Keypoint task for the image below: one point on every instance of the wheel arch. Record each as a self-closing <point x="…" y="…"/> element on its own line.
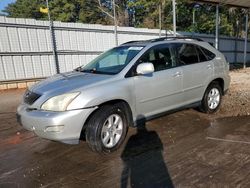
<point x="127" y="108"/>
<point x="221" y="83"/>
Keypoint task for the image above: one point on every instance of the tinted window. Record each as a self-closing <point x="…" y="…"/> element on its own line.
<point x="186" y="54"/>
<point x="160" y="56"/>
<point x="210" y="55"/>
<point x="201" y="55"/>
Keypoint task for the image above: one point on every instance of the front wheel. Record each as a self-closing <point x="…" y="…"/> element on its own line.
<point x="212" y="98"/>
<point x="107" y="128"/>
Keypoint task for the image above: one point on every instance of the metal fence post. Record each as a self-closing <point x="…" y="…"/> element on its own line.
<point x="245" y="46"/>
<point x="217" y="27"/>
<point x="115" y="24"/>
<point x="53" y="40"/>
<point x="160" y="17"/>
<point x="174" y="17"/>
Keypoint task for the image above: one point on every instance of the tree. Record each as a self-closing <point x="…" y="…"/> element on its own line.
<point x="236" y="16"/>
<point x="90" y="13"/>
<point x="61" y="10"/>
<point x="146" y="12"/>
<point x="137" y="13"/>
<point x="25" y="9"/>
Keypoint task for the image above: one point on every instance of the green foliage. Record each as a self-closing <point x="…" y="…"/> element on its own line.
<point x="25" y="9"/>
<point x="146" y="13"/>
<point x="61" y="10"/>
<point x="137" y="13"/>
<point x="89" y="13"/>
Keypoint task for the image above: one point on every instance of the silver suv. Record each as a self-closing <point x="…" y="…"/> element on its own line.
<point x="135" y="81"/>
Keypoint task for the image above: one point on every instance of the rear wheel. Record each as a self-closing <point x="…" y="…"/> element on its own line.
<point x="107" y="128"/>
<point x="212" y="98"/>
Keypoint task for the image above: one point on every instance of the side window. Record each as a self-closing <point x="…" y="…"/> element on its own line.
<point x="186" y="54"/>
<point x="210" y="55"/>
<point x="160" y="56"/>
<point x="202" y="56"/>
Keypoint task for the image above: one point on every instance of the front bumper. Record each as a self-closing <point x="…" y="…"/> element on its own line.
<point x="59" y="126"/>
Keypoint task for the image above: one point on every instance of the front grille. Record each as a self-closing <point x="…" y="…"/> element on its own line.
<point x="30" y="97"/>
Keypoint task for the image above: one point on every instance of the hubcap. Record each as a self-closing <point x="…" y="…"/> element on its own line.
<point x="213" y="98"/>
<point x="112" y="130"/>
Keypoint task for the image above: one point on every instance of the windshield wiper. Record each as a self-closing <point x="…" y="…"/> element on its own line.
<point x="94" y="71"/>
<point x="90" y="70"/>
<point x="78" y="69"/>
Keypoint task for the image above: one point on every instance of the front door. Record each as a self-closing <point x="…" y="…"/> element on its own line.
<point x="162" y="90"/>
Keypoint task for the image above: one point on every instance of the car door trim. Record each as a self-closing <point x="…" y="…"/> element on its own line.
<point x="162" y="96"/>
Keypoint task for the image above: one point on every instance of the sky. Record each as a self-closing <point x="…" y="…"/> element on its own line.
<point x="4" y="3"/>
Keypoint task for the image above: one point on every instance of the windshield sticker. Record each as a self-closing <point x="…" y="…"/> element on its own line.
<point x="135" y="48"/>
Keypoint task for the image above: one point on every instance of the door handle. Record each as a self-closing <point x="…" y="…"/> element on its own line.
<point x="209" y="67"/>
<point x="177" y="74"/>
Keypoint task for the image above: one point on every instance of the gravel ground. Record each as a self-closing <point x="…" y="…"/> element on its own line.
<point x="237" y="101"/>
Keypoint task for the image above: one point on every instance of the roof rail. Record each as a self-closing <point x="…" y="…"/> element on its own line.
<point x="175" y="38"/>
<point x="165" y="38"/>
<point x="132" y="41"/>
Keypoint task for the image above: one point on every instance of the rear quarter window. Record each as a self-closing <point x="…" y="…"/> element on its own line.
<point x="186" y="53"/>
<point x="210" y="55"/>
<point x="201" y="54"/>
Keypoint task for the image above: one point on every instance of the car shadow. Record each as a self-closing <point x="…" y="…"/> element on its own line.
<point x="143" y="161"/>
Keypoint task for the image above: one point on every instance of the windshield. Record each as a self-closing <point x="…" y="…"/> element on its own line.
<point x="112" y="61"/>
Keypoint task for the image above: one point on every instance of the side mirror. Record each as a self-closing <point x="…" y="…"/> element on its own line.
<point x="145" y="68"/>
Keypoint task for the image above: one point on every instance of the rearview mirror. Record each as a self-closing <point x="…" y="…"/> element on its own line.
<point x="145" y="68"/>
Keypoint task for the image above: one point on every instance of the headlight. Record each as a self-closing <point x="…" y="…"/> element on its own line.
<point x="60" y="102"/>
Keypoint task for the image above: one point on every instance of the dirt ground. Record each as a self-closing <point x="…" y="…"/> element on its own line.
<point x="237" y="101"/>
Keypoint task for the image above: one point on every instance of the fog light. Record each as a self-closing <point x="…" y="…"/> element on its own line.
<point x="57" y="128"/>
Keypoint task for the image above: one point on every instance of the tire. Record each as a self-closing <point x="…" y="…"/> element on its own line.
<point x="107" y="128"/>
<point x="212" y="98"/>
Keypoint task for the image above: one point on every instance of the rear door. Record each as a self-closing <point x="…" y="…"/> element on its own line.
<point x="197" y="70"/>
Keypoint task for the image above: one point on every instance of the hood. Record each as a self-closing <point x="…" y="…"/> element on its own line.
<point x="66" y="82"/>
